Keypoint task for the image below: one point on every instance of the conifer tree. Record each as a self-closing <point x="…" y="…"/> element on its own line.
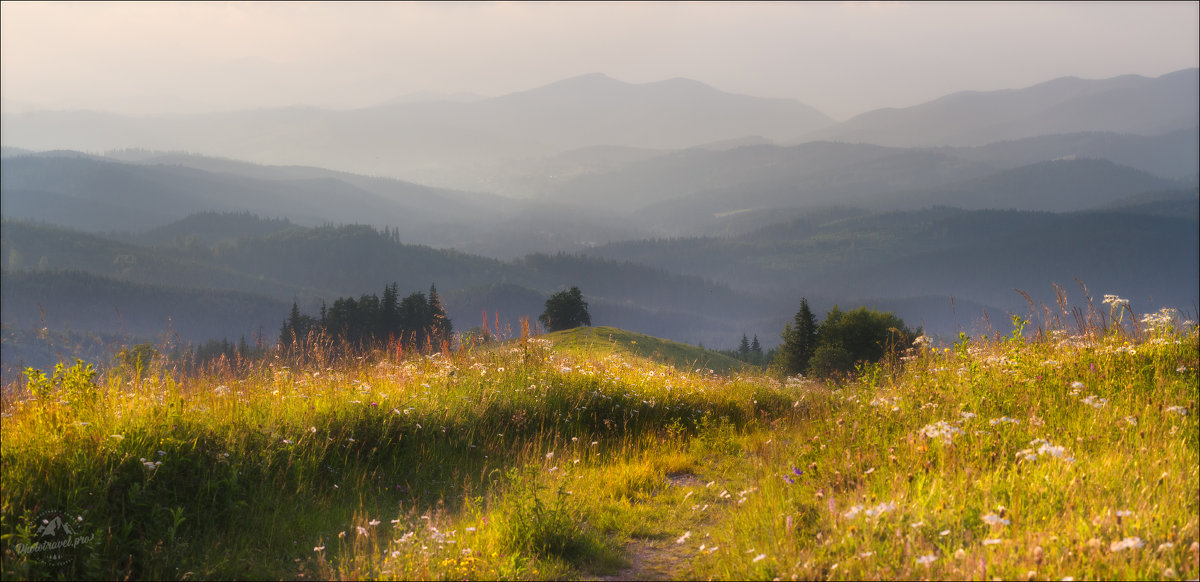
<point x="799" y="341"/>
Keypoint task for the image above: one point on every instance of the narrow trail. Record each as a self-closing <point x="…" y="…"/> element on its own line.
<point x="668" y="557"/>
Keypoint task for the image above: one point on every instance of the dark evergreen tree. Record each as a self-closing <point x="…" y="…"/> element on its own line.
<point x="296" y="328"/>
<point x="744" y="349"/>
<point x="441" y="328"/>
<point x="799" y="341"/>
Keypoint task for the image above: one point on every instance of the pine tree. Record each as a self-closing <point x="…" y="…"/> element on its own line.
<point x="744" y="349"/>
<point x="441" y="325"/>
<point x="799" y="341"/>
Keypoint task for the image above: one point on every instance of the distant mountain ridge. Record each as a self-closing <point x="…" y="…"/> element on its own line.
<point x="439" y="138"/>
<point x="1125" y="104"/>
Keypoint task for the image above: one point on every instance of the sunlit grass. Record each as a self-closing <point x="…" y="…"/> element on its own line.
<point x="1058" y="457"/>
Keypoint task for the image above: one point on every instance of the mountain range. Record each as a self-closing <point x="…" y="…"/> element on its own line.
<point x="680" y="210"/>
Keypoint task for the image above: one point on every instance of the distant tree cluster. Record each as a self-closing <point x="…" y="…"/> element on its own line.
<point x="416" y="320"/>
<point x="843" y="340"/>
<point x="565" y="310"/>
<point x="749" y="351"/>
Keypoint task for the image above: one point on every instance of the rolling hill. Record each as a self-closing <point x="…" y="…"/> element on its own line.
<point x="1125" y="104"/>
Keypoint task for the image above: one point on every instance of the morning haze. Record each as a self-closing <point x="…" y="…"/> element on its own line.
<point x="694" y="168"/>
<point x="842" y="58"/>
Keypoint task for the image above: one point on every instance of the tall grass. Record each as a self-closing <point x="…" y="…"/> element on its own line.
<point x="1047" y="454"/>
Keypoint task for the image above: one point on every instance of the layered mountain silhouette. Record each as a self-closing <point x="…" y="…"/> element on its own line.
<point x="680" y="210"/>
<point x="1127" y="104"/>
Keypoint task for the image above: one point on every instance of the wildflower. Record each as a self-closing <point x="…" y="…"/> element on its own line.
<point x="927" y="559"/>
<point x="1115" y="301"/>
<point x="788" y="480"/>
<point x="944" y="533"/>
<point x="1178" y="410"/>
<point x="319" y="549"/>
<point x="1003" y="419"/>
<point x="373" y="522"/>
<point x="880" y="509"/>
<point x="684" y="537"/>
<point x="162" y="453"/>
<point x="992" y="541"/>
<point x="1126" y="544"/>
<point x="993" y="519"/>
<point x="797" y="471"/>
<point x="940" y="429"/>
<point x="757" y="558"/>
<point x="362" y="531"/>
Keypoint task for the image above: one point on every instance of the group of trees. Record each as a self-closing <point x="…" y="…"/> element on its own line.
<point x="565" y="310"/>
<point x="749" y="351"/>
<point x="416" y="320"/>
<point x="843" y="340"/>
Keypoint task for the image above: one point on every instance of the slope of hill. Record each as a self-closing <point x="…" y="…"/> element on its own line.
<point x="974" y="255"/>
<point x="1174" y="155"/>
<point x="310" y="265"/>
<point x="600" y="341"/>
<point x="1055" y="186"/>
<point x="100" y="195"/>
<point x="1126" y="104"/>
<point x="83" y="302"/>
<point x="699" y="182"/>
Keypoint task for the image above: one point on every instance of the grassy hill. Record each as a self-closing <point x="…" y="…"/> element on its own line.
<point x="1072" y="452"/>
<point x="600" y="341"/>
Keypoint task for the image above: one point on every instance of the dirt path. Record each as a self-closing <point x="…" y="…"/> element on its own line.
<point x="667" y="558"/>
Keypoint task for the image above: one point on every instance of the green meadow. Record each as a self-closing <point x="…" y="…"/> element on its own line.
<point x="599" y="454"/>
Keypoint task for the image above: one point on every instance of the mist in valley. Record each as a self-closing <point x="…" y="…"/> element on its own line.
<point x="695" y="169"/>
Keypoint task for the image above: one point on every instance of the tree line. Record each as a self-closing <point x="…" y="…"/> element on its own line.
<point x="840" y="342"/>
<point x="416" y="320"/>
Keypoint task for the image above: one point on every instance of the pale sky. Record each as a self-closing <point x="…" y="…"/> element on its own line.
<point x="842" y="58"/>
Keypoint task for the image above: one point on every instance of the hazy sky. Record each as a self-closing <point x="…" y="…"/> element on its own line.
<point x="842" y="58"/>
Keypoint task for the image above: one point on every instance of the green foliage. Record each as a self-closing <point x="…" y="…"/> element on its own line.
<point x="74" y="384"/>
<point x="830" y="359"/>
<point x="553" y="527"/>
<point x="136" y="360"/>
<point x="565" y="310"/>
<point x="842" y="340"/>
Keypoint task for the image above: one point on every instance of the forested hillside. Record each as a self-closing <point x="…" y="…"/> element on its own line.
<point x="697" y="234"/>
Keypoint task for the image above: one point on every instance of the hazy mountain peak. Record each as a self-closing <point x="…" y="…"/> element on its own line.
<point x="1124" y="104"/>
